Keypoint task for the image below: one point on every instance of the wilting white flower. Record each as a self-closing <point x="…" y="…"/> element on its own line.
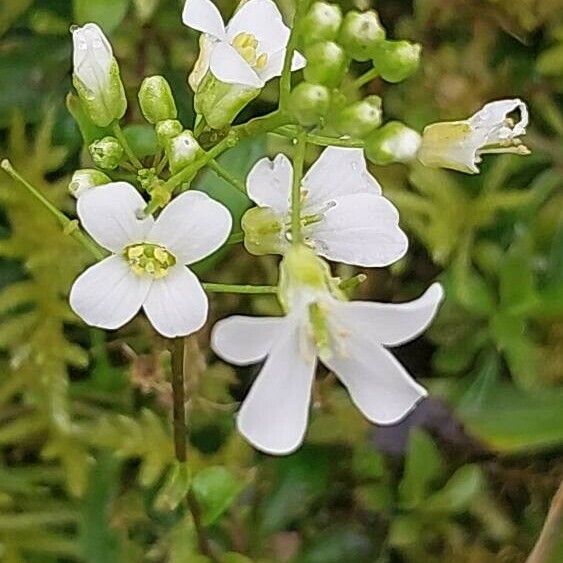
<point x="344" y="216"/>
<point x="249" y="50"/>
<point x="460" y="144"/>
<point x="147" y="266"/>
<point x="349" y="338"/>
<point x="96" y="75"/>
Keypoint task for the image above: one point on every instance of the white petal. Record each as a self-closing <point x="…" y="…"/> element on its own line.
<point x="378" y="384"/>
<point x="228" y="66"/>
<point x="109" y="215"/>
<point x="204" y="16"/>
<point x="390" y="323"/>
<point x="176" y="304"/>
<point x="262" y="19"/>
<point x="109" y="294"/>
<point x="493" y="115"/>
<point x="245" y="340"/>
<point x="269" y="183"/>
<point x="274" y="66"/>
<point x="192" y="226"/>
<point x="337" y="172"/>
<point x="360" y="229"/>
<point x="92" y="57"/>
<point x="274" y="415"/>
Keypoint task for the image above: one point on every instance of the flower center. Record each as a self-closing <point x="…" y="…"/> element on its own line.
<point x="246" y="46"/>
<point x="147" y="258"/>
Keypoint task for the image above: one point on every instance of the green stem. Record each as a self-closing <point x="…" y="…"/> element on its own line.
<point x="289" y="131"/>
<point x="120" y="136"/>
<point x="235" y="288"/>
<point x="69" y="226"/>
<point x="226" y="175"/>
<point x="298" y="162"/>
<point x="235" y="238"/>
<point x="199" y="126"/>
<point x="366" y="77"/>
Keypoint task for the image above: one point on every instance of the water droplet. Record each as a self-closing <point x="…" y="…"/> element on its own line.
<point x="354" y="165"/>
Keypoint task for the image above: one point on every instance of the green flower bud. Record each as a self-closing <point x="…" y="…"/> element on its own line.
<point x="167" y="129"/>
<point x="219" y="103"/>
<point x="326" y="63"/>
<point x="85" y="179"/>
<point x="394" y="142"/>
<point x="262" y="231"/>
<point x="321" y="23"/>
<point x="156" y="100"/>
<point x="396" y="60"/>
<point x="360" y="33"/>
<point x="182" y="150"/>
<point x="360" y="118"/>
<point x="106" y="153"/>
<point x="96" y="76"/>
<point x="309" y="103"/>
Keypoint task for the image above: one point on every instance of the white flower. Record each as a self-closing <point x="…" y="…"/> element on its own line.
<point x="249" y="50"/>
<point x="147" y="265"/>
<point x="344" y="216"/>
<point x="460" y="144"/>
<point x="350" y="339"/>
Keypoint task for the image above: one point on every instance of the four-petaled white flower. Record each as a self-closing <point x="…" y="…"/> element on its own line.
<point x="459" y="144"/>
<point x="249" y="50"/>
<point x="344" y="216"/>
<point x="350" y="338"/>
<point x="147" y="267"/>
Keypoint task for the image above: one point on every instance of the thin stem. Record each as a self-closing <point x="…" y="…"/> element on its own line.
<point x="236" y="288"/>
<point x="321" y="140"/>
<point x="226" y="175"/>
<point x="69" y="226"/>
<point x="366" y="77"/>
<point x="120" y="136"/>
<point x="199" y="126"/>
<point x="180" y="439"/>
<point x="298" y="162"/>
<point x="235" y="238"/>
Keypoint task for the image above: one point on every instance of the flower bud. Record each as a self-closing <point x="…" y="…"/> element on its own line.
<point x="96" y="75"/>
<point x="182" y="150"/>
<point x="106" y="153"/>
<point x="309" y="103"/>
<point x="85" y="179"/>
<point x="360" y="33"/>
<point x="219" y="103"/>
<point x="360" y="118"/>
<point x="156" y="100"/>
<point x="321" y="23"/>
<point x="167" y="129"/>
<point x="262" y="231"/>
<point x="394" y="142"/>
<point x="396" y="60"/>
<point x="326" y="63"/>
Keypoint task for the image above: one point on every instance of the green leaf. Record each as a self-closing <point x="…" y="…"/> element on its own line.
<point x="472" y="291"/>
<point x="423" y="465"/>
<point x="458" y="493"/>
<point x="175" y="487"/>
<point x="337" y="545"/>
<point x="405" y="530"/>
<point x="484" y="384"/>
<point x="108" y="14"/>
<point x="216" y="488"/>
<point x="142" y="139"/>
<point x="550" y="62"/>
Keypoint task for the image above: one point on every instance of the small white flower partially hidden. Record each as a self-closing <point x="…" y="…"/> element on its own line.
<point x="96" y="75"/>
<point x="344" y="217"/>
<point x="249" y="50"/>
<point x="147" y="267"/>
<point x="350" y="339"/>
<point x="459" y="144"/>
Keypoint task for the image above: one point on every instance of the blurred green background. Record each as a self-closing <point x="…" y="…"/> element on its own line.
<point x="85" y="440"/>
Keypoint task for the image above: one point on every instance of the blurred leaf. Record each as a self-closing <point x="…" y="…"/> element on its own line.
<point x="175" y="487"/>
<point x="108" y="14"/>
<point x="458" y="493"/>
<point x="550" y="62"/>
<point x="10" y="11"/>
<point x="406" y="530"/>
<point x="483" y="383"/>
<point x="337" y="545"/>
<point x="216" y="488"/>
<point x="142" y="139"/>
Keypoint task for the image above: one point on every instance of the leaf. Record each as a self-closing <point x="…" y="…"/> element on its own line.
<point x="472" y="291"/>
<point x="550" y="62"/>
<point x="108" y="14"/>
<point x="484" y="384"/>
<point x="423" y="464"/>
<point x="458" y="493"/>
<point x="142" y="139"/>
<point x="406" y="530"/>
<point x="216" y="488"/>
<point x="175" y="487"/>
<point x="336" y="545"/>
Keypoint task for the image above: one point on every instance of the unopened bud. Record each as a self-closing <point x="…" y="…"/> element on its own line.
<point x="396" y="60"/>
<point x="106" y="153"/>
<point x="167" y="129"/>
<point x="182" y="150"/>
<point x="326" y="63"/>
<point x="321" y="23"/>
<point x="156" y="100"/>
<point x="309" y="103"/>
<point x="394" y="142"/>
<point x="85" y="179"/>
<point x="360" y="118"/>
<point x="360" y="33"/>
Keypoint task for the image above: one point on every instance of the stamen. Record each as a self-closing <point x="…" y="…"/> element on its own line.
<point x="151" y="259"/>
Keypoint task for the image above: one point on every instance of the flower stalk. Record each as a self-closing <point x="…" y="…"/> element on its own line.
<point x="120" y="136"/>
<point x="298" y="163"/>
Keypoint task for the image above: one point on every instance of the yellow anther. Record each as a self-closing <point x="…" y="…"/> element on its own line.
<point x="261" y="61"/>
<point x="246" y="45"/>
<point x="151" y="259"/>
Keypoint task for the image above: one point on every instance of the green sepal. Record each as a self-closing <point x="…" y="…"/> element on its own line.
<point x="262" y="231"/>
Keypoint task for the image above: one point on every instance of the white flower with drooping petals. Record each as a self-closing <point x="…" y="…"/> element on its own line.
<point x="459" y="144"/>
<point x="349" y="338"/>
<point x="344" y="216"/>
<point x="249" y="50"/>
<point x="147" y="267"/>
